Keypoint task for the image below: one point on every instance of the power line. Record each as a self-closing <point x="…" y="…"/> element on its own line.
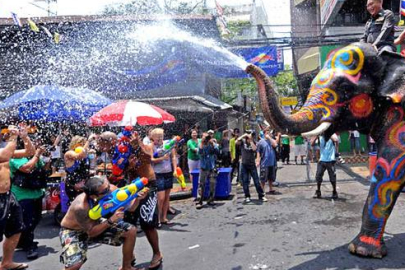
<point x="44" y="9"/>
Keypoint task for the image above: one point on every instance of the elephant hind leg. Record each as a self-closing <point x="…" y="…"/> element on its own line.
<point x="367" y="246"/>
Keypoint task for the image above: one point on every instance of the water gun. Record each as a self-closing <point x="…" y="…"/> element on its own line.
<point x="118" y="198"/>
<point x="121" y="154"/>
<point x="167" y="147"/>
<point x="180" y="177"/>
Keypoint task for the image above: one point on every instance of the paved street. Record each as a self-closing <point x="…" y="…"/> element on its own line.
<point x="290" y="231"/>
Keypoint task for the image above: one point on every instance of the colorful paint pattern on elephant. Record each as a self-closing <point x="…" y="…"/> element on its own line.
<point x="388" y="175"/>
<point x="323" y="98"/>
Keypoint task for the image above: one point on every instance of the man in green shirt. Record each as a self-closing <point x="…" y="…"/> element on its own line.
<point x="299" y="148"/>
<point x="193" y="155"/>
<point x="29" y="196"/>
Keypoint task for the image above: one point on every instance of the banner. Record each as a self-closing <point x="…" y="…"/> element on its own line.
<point x="263" y="57"/>
<point x="32" y="25"/>
<point x="16" y="20"/>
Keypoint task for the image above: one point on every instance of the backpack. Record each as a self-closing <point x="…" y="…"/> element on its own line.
<point x="34" y="180"/>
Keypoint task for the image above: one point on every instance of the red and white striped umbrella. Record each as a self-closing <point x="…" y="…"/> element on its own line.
<point x="130" y="113"/>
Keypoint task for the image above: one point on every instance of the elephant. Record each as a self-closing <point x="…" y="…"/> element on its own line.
<point x="357" y="89"/>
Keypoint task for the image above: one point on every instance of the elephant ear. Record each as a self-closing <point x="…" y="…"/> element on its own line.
<point x="392" y="84"/>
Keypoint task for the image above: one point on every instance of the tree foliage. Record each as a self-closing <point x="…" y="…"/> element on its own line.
<point x="236" y="29"/>
<point x="285" y="85"/>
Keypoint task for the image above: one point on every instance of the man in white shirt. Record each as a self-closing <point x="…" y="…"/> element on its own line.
<point x="354" y="137"/>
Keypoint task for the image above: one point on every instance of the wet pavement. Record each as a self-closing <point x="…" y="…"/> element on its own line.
<point x="290" y="231"/>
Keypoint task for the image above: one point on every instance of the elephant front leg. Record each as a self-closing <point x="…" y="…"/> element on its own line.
<point x="380" y="202"/>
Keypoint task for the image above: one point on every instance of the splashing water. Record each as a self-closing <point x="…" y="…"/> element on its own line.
<point x="167" y="31"/>
<point x="118" y="58"/>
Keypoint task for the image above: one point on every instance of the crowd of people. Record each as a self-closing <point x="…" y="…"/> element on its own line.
<point x="26" y="162"/>
<point x="28" y="159"/>
<point x="88" y="164"/>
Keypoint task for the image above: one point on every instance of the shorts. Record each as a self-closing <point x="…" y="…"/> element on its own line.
<point x="193" y="165"/>
<point x="267" y="173"/>
<point x="299" y="150"/>
<point x="11" y="219"/>
<point x="355" y="143"/>
<point x="146" y="213"/>
<point x="164" y="181"/>
<point x="75" y="243"/>
<point x="56" y="162"/>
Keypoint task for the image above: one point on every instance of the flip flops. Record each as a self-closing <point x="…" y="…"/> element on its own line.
<point x="19" y="267"/>
<point x="156" y="267"/>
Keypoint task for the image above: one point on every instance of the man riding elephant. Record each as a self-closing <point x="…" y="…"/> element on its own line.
<point x="357" y="89"/>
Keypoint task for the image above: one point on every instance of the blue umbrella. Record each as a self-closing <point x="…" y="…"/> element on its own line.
<point x="55" y="103"/>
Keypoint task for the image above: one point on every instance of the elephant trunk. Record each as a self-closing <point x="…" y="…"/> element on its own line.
<point x="304" y="121"/>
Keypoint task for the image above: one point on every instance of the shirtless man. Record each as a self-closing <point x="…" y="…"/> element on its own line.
<point x="106" y="143"/>
<point x="140" y="165"/>
<point x="11" y="221"/>
<point x="77" y="227"/>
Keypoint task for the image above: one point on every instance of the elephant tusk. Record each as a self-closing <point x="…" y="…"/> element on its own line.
<point x="319" y="130"/>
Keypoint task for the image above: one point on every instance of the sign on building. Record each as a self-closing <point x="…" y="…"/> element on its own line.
<point x="329" y="8"/>
<point x="280" y="59"/>
<point x="288" y="101"/>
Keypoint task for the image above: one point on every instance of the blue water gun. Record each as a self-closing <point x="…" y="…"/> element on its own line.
<point x="121" y="154"/>
<point x="118" y="198"/>
<point x="167" y="147"/>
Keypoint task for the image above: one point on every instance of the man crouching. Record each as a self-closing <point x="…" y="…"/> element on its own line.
<point x="77" y="229"/>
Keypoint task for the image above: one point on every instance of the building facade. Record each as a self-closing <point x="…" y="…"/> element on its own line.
<point x="319" y="26"/>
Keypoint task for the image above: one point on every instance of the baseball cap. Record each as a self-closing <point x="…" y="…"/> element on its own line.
<point x="210" y="131"/>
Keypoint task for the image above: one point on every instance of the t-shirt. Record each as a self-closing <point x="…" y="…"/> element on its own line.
<point x="208" y="156"/>
<point x="354" y="134"/>
<point x="164" y="166"/>
<point x="218" y="136"/>
<point x="299" y="140"/>
<point x="56" y="153"/>
<point x="225" y="145"/>
<point x="146" y="140"/>
<point x="19" y="192"/>
<point x="191" y="149"/>
<point x="266" y="151"/>
<point x="285" y="139"/>
<point x="327" y="150"/>
<point x="248" y="154"/>
<point x="232" y="147"/>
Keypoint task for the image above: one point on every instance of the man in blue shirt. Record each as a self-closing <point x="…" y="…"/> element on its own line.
<point x="208" y="151"/>
<point x="266" y="159"/>
<point x="326" y="162"/>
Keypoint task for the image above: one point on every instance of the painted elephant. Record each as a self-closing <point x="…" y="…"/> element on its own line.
<point x="356" y="90"/>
